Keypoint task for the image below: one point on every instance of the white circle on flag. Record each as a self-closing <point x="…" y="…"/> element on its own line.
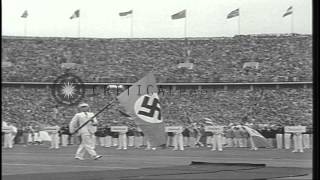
<point x="148" y="108"/>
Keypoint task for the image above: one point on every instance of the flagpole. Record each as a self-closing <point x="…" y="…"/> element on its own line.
<point x="131" y="26"/>
<point x="25" y="27"/>
<point x="239" y="23"/>
<point x="292" y="21"/>
<point x="185" y="26"/>
<point x="79" y="27"/>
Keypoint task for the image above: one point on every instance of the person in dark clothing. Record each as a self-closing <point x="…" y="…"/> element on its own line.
<point x="186" y="136"/>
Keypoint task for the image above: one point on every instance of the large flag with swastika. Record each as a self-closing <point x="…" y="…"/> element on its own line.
<point x="141" y="102"/>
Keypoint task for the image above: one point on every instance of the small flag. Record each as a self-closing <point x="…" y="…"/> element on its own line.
<point x="141" y="102"/>
<point x="257" y="138"/>
<point x="233" y="13"/>
<point x="24" y="14"/>
<point x="125" y="13"/>
<point x="76" y="14"/>
<point x="288" y="12"/>
<point x="179" y="15"/>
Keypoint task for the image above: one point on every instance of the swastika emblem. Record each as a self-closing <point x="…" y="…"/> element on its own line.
<point x="148" y="108"/>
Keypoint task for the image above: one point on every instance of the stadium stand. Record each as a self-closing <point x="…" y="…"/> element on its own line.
<point x="279" y="57"/>
<point x="276" y="106"/>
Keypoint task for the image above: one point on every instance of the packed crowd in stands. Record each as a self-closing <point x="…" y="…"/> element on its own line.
<point x="285" y="106"/>
<point x="280" y="58"/>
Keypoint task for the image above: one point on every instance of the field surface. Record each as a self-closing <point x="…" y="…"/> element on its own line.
<point x="41" y="163"/>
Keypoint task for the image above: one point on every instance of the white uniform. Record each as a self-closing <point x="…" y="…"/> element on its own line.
<point x="297" y="142"/>
<point x="9" y="136"/>
<point x="55" y="137"/>
<point x="217" y="141"/>
<point x="86" y="133"/>
<point x="178" y="141"/>
<point x="122" y="140"/>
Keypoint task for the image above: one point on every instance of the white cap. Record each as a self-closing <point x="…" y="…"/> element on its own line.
<point x="83" y="105"/>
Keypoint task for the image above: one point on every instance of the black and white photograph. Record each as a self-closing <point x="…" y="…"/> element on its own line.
<point x="157" y="89"/>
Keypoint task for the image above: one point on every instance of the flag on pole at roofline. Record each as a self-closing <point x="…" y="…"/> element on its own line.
<point x="233" y="13"/>
<point x="179" y="15"/>
<point x="76" y="14"/>
<point x="25" y="14"/>
<point x="141" y="102"/>
<point x="288" y="12"/>
<point x="126" y="13"/>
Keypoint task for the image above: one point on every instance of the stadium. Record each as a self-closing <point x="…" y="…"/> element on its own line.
<point x="263" y="81"/>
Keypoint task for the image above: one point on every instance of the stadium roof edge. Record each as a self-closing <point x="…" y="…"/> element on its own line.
<point x="90" y="83"/>
<point x="190" y="38"/>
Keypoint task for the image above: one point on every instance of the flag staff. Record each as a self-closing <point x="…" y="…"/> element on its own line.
<point x="25" y="27"/>
<point x="292" y="21"/>
<point x="108" y="106"/>
<point x="185" y="26"/>
<point x="239" y="23"/>
<point x="79" y="27"/>
<point x="131" y="26"/>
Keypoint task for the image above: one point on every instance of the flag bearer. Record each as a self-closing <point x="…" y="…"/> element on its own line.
<point x="86" y="132"/>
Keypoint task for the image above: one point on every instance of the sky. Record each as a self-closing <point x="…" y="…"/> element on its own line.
<point x="152" y="18"/>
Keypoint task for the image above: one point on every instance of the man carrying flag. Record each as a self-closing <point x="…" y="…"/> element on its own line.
<point x="142" y="103"/>
<point x="86" y="132"/>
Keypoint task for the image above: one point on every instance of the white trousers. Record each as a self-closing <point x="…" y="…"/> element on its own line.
<point x="306" y="141"/>
<point x="130" y="141"/>
<point x="229" y="142"/>
<point x="138" y="141"/>
<point x="297" y="143"/>
<point x="178" y="142"/>
<point x="237" y="142"/>
<point x="185" y="141"/>
<point x="192" y="142"/>
<point x="108" y="141"/>
<point x="64" y="139"/>
<point x="216" y="142"/>
<point x="8" y="140"/>
<point x="279" y="141"/>
<point x="102" y="141"/>
<point x="115" y="141"/>
<point x="209" y="140"/>
<point x="87" y="144"/>
<point x="54" y="140"/>
<point x="122" y="141"/>
<point x="287" y="141"/>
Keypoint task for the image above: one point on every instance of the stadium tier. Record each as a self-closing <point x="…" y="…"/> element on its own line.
<point x="245" y="58"/>
<point x="283" y="106"/>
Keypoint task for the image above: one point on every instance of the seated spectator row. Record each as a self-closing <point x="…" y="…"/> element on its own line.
<point x="285" y="106"/>
<point x="280" y="58"/>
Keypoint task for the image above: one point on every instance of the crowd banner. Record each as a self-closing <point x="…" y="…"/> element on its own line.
<point x="53" y="129"/>
<point x="176" y="129"/>
<point x="295" y="129"/>
<point x="215" y="129"/>
<point x="119" y="128"/>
